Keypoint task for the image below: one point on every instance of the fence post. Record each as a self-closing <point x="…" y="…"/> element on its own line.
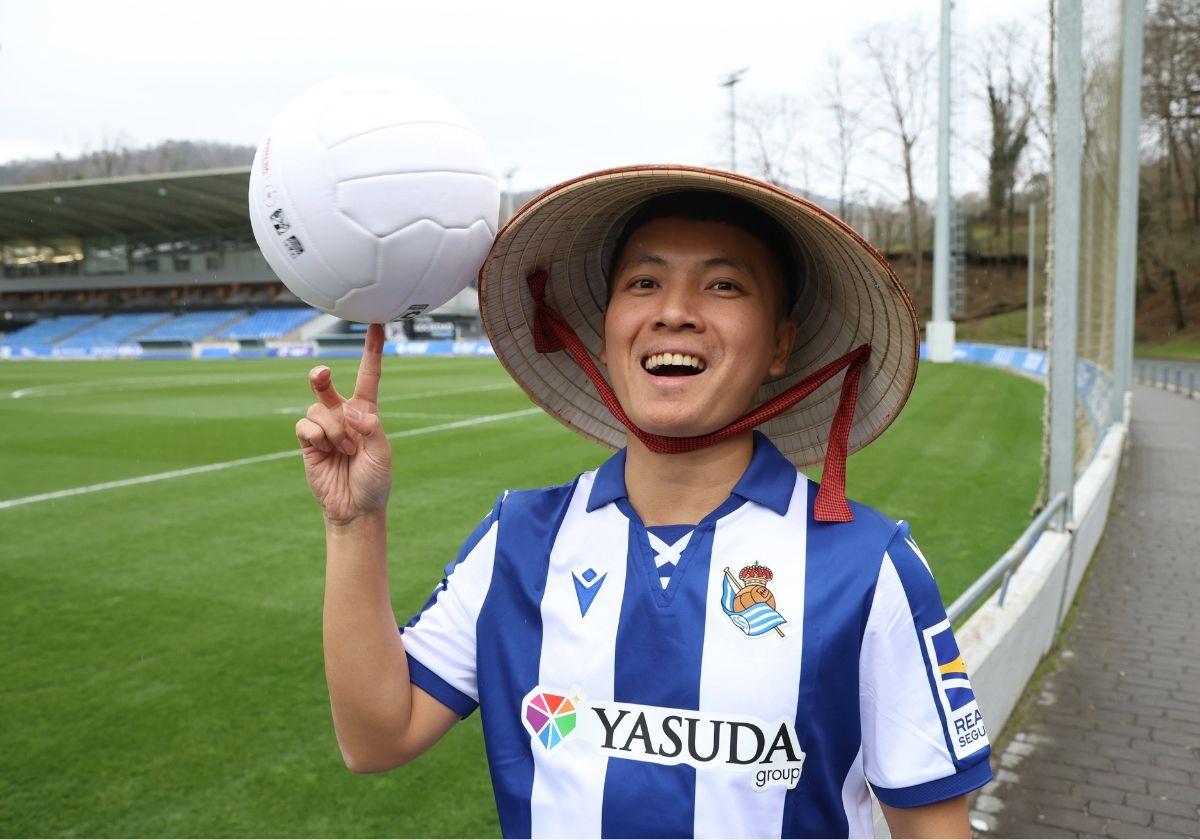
<point x="1127" y="199"/>
<point x="1068" y="119"/>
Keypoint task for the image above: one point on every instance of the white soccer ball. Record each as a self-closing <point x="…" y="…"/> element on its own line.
<point x="373" y="198"/>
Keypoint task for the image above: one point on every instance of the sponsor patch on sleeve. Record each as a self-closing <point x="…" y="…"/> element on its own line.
<point x="968" y="734"/>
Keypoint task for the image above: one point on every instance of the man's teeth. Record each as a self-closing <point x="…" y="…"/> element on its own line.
<point x="676" y="359"/>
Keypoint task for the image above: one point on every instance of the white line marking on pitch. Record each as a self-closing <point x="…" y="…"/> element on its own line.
<point x="254" y="459"/>
<point x="415" y="395"/>
<point x="426" y="415"/>
<point x="99" y="386"/>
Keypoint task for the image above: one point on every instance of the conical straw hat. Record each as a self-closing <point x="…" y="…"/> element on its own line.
<point x="848" y="296"/>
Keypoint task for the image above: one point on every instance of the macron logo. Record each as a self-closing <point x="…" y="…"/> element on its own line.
<point x="587" y="585"/>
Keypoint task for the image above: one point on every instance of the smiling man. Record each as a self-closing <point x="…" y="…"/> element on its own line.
<point x="693" y="639"/>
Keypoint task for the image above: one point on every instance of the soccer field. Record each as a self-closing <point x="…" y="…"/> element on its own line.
<point x="162" y="638"/>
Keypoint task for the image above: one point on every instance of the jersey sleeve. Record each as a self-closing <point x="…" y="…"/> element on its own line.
<point x="440" y="639"/>
<point x="923" y="736"/>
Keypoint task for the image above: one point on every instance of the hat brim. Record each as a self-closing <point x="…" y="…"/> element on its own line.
<point x="849" y="296"/>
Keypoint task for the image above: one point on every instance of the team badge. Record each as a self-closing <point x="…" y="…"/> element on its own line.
<point x="750" y="605"/>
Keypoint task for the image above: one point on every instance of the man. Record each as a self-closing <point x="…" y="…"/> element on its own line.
<point x="694" y="639"/>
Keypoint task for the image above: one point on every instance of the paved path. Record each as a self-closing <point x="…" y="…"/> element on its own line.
<point x="1111" y="747"/>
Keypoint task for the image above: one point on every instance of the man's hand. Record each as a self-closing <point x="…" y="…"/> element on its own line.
<point x="347" y="459"/>
<point x="380" y="718"/>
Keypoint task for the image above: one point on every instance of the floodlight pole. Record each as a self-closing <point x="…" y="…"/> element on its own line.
<point x="1030" y="264"/>
<point x="731" y="82"/>
<point x="1068" y="146"/>
<point x="939" y="333"/>
<point x="1127" y="201"/>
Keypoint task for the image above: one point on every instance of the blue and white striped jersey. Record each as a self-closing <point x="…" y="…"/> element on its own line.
<point x="784" y="666"/>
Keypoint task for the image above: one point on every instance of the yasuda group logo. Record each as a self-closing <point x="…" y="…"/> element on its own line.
<point x="549" y="718"/>
<point x="769" y="754"/>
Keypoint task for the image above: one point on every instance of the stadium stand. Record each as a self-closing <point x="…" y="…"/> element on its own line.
<point x="269" y="323"/>
<point x="175" y="243"/>
<point x="50" y="330"/>
<point x="116" y="328"/>
<point x="192" y="326"/>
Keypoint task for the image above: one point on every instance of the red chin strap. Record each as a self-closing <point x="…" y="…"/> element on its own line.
<point x="552" y="333"/>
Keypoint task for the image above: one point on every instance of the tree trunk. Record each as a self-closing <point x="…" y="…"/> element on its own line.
<point x="914" y="226"/>
<point x="1008" y="263"/>
<point x="1176" y="298"/>
<point x="1190" y="141"/>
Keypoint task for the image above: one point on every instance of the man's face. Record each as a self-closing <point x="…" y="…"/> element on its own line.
<point x="704" y="290"/>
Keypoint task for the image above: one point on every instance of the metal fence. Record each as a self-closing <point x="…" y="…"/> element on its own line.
<point x="1002" y="570"/>
<point x="1180" y="377"/>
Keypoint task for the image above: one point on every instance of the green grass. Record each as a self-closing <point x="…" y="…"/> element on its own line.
<point x="163" y="671"/>
<point x="1180" y="347"/>
<point x="1008" y="328"/>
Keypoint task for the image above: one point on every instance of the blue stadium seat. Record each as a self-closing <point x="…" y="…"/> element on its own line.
<point x="270" y="323"/>
<point x="50" y="330"/>
<point x="114" y="329"/>
<point x="192" y="326"/>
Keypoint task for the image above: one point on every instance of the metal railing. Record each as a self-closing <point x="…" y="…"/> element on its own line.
<point x="1008" y="563"/>
<point x="1182" y="378"/>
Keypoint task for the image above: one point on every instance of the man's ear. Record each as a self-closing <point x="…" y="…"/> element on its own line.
<point x="785" y="337"/>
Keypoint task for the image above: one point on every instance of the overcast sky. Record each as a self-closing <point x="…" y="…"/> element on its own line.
<point x="556" y="88"/>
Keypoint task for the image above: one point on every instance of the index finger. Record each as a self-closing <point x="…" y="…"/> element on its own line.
<point x="366" y="387"/>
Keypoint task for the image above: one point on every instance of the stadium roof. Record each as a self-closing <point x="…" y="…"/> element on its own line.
<point x="167" y="203"/>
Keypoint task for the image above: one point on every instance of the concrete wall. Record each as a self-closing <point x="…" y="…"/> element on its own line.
<point x="1003" y="645"/>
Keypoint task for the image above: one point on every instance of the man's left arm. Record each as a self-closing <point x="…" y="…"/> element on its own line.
<point x="947" y="818"/>
<point x="924" y="742"/>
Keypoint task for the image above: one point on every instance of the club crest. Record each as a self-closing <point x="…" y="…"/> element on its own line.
<point x="749" y="602"/>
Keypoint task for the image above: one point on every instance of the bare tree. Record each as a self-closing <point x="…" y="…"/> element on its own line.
<point x="772" y="125"/>
<point x="902" y="57"/>
<point x="1171" y="85"/>
<point x="115" y="157"/>
<point x="1171" y="110"/>
<point x="884" y="221"/>
<point x="111" y="157"/>
<point x="1010" y="87"/>
<point x="838" y="97"/>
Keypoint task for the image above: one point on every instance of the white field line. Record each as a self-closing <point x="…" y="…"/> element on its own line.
<point x="415" y="395"/>
<point x="426" y="415"/>
<point x="99" y="386"/>
<point x="254" y="459"/>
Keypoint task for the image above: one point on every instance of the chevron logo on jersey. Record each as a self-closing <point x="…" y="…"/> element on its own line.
<point x="587" y="586"/>
<point x="964" y="720"/>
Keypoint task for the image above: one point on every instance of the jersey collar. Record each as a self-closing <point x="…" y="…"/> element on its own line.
<point x="769" y="479"/>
